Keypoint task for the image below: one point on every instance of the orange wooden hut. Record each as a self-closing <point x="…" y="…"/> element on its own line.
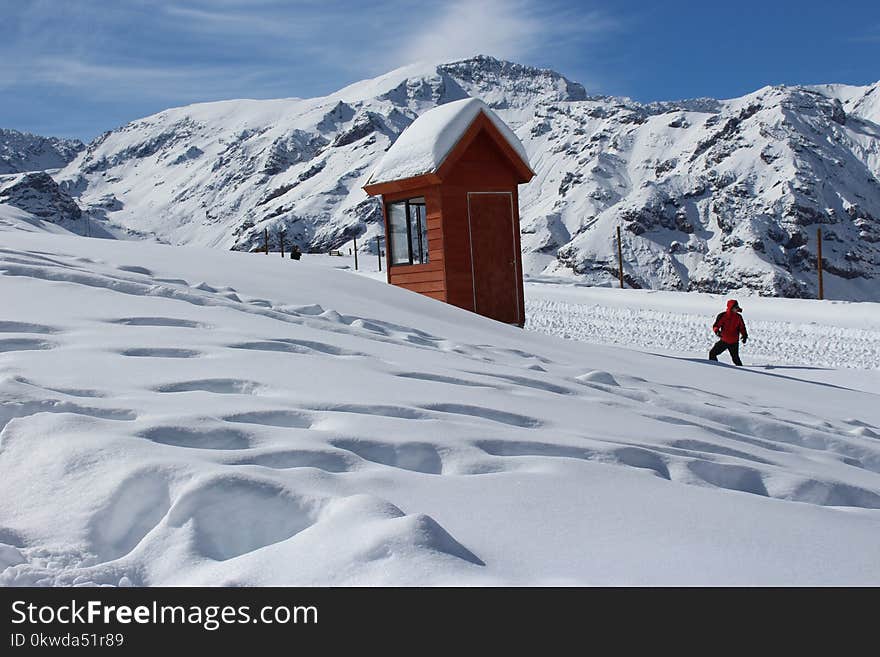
<point x="449" y="195"/>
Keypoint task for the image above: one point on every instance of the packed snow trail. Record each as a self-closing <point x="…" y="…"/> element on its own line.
<point x="189" y="416"/>
<point x="834" y="334"/>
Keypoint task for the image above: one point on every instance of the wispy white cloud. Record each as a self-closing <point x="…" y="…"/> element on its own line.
<point x="465" y="28"/>
<point x="235" y="20"/>
<point x="131" y="82"/>
<point x="508" y="29"/>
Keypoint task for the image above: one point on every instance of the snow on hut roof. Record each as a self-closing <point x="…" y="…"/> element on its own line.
<point x="424" y="145"/>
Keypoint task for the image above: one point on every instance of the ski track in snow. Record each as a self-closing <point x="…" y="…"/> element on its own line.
<point x="159" y="431"/>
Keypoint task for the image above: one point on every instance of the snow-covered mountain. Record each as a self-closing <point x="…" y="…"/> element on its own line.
<point x="39" y="195"/>
<point x="21" y="151"/>
<point x="713" y="195"/>
<point x="714" y="200"/>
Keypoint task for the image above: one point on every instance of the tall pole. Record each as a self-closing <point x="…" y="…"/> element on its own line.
<point x="379" y="251"/>
<point x="819" y="262"/>
<point x="355" y="253"/>
<point x="281" y="237"/>
<point x="266" y="240"/>
<point x="619" y="258"/>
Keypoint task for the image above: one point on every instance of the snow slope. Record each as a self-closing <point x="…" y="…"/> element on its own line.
<point x="15" y="219"/>
<point x="193" y="416"/>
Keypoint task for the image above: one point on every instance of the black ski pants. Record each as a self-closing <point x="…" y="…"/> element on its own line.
<point x="721" y="346"/>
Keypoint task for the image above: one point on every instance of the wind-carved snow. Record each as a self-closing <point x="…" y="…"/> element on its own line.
<point x="397" y="440"/>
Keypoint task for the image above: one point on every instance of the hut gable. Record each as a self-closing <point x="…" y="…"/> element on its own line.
<point x="479" y="156"/>
<point x="435" y="140"/>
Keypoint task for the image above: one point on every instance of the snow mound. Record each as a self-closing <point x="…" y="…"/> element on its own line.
<point x="598" y="376"/>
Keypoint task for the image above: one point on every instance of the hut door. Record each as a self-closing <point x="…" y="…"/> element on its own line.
<point x="493" y="244"/>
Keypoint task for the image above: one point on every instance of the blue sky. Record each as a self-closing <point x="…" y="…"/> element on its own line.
<point x="79" y="67"/>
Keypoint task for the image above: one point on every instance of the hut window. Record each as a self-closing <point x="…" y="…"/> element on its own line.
<point x="408" y="223"/>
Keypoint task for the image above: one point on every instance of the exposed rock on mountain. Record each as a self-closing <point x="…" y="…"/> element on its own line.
<point x="38" y="194"/>
<point x="20" y="151"/>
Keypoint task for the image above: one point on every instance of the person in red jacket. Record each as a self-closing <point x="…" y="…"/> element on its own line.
<point x="729" y="326"/>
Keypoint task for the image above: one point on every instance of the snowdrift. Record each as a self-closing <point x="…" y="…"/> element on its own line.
<point x="177" y="416"/>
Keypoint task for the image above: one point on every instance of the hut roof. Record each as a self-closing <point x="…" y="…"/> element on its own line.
<point x="425" y="144"/>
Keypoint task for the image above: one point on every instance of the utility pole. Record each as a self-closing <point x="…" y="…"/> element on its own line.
<point x="619" y="258"/>
<point x="355" y="253"/>
<point x="819" y="262"/>
<point x="281" y="238"/>
<point x="266" y="240"/>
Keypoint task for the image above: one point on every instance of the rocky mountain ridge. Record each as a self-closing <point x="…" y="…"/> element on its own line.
<point x="22" y="151"/>
<point x="712" y="195"/>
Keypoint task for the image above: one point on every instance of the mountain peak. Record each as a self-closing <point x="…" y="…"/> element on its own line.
<point x="499" y="83"/>
<point x="484" y="76"/>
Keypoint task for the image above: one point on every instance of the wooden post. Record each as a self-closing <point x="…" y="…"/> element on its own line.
<point x="619" y="258"/>
<point x="819" y="262"/>
<point x="266" y="240"/>
<point x="281" y="237"/>
<point x="379" y="251"/>
<point x="355" y="253"/>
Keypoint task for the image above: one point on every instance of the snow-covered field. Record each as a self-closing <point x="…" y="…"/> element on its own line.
<point x="783" y="332"/>
<point x="191" y="416"/>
